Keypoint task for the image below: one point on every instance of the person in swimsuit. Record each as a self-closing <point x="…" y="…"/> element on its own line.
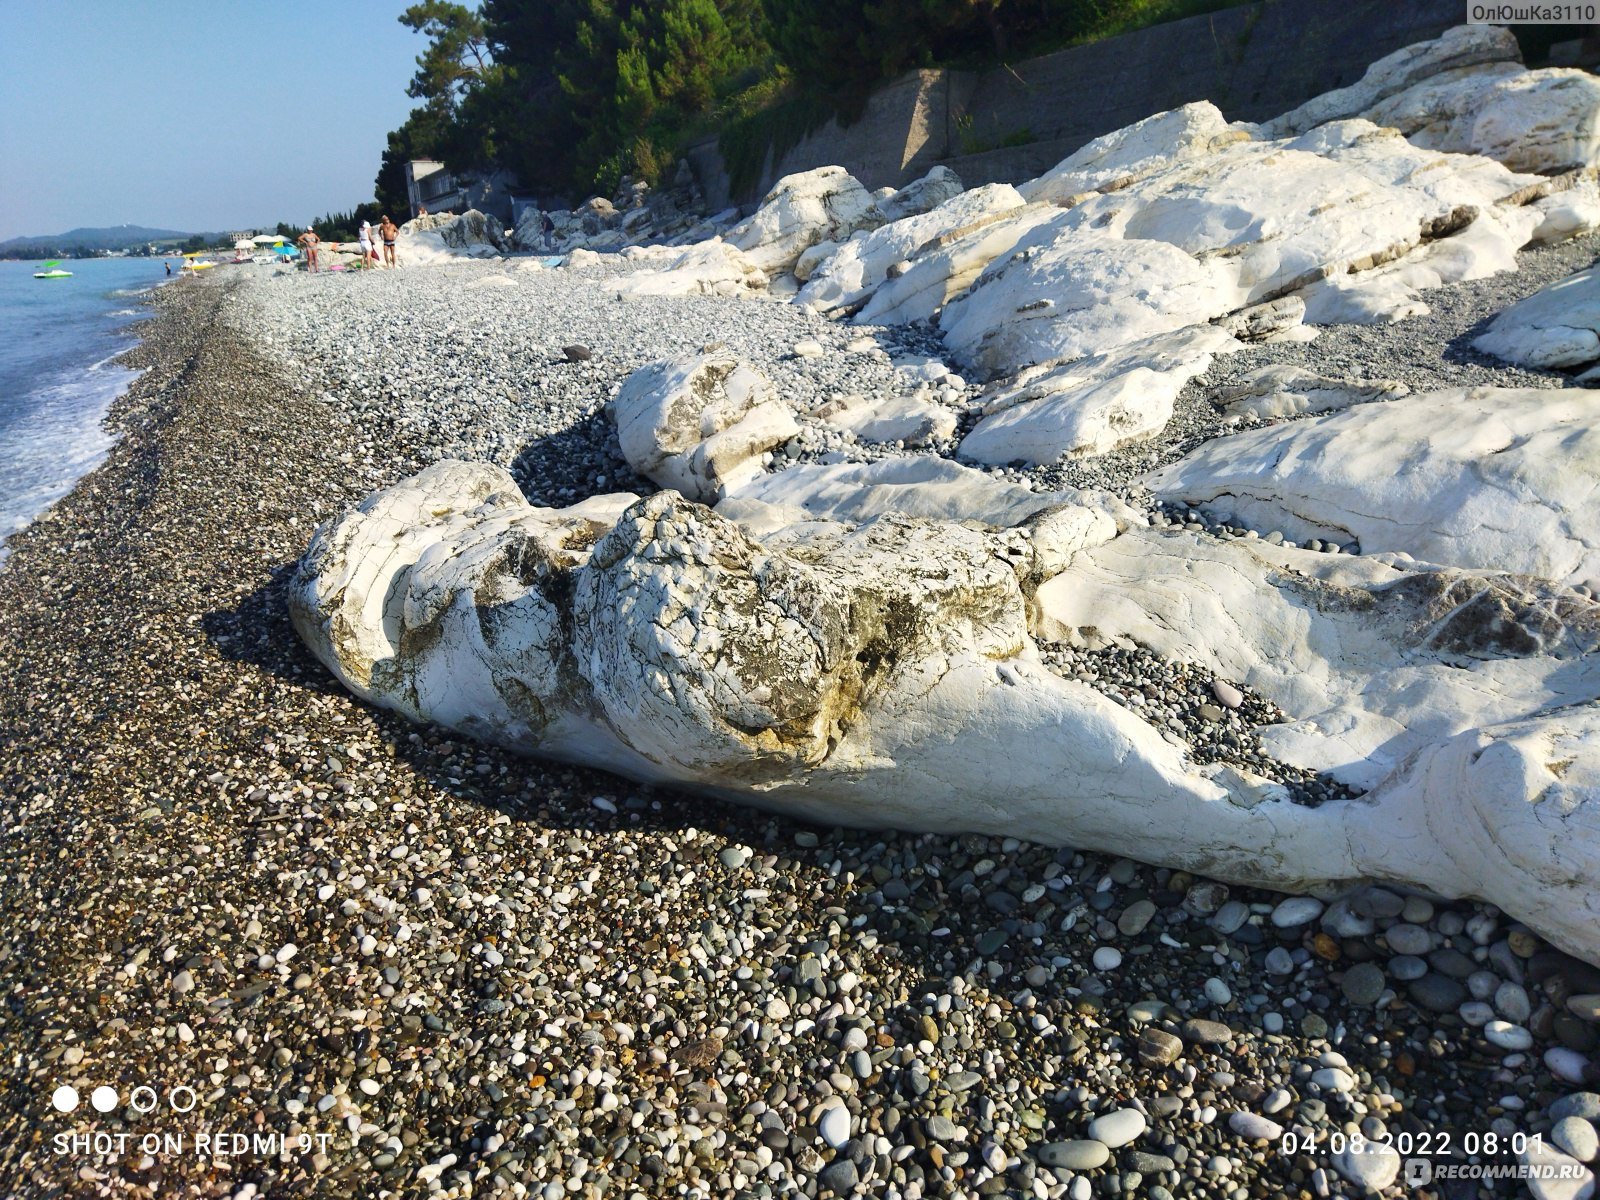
<point x="309" y="240"/>
<point x="369" y="251"/>
<point x="390" y="231"/>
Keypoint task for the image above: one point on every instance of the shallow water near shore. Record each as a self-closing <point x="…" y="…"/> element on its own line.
<point x="58" y="377"/>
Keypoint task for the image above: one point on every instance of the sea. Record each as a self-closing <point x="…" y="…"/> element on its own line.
<point x="57" y="380"/>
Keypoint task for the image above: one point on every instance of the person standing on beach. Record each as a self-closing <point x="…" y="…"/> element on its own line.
<point x="390" y="232"/>
<point x="309" y="240"/>
<point x="369" y="252"/>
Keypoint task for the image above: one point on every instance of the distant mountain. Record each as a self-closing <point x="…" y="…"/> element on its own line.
<point x="116" y="237"/>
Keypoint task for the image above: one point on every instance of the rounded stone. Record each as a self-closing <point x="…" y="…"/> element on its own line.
<point x="1372" y="1167"/>
<point x="834" y="1126"/>
<point x="1363" y="984"/>
<point x="1508" y="1036"/>
<point x="1081" y="1155"/>
<point x="1296" y="911"/>
<point x="1408" y="939"/>
<point x="1577" y="1137"/>
<point x="1255" y="1127"/>
<point x="1135" y="917"/>
<point x="1118" y="1128"/>
<point x="1437" y="993"/>
<point x="1107" y="958"/>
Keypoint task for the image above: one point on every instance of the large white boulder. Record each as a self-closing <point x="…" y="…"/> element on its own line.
<point x="1467" y="91"/>
<point x="1464" y="703"/>
<point x="1252" y="221"/>
<point x="938" y="186"/>
<point x="881" y="673"/>
<point x="711" y="268"/>
<point x="699" y="424"/>
<point x="824" y="205"/>
<point x="1452" y="53"/>
<point x="947" y="264"/>
<point x="443" y="237"/>
<point x="1557" y="326"/>
<point x="1092" y="405"/>
<point x="1135" y="151"/>
<point x="852" y="272"/>
<point x="1491" y="478"/>
<point x="1067" y="292"/>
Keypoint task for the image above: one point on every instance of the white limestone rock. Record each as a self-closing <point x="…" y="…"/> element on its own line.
<point x="931" y="488"/>
<point x="938" y="186"/>
<point x="1282" y="390"/>
<point x="1092" y="405"/>
<point x="917" y="290"/>
<point x="1248" y="223"/>
<point x="1569" y="213"/>
<point x="856" y="269"/>
<point x="445" y="237"/>
<point x="908" y="417"/>
<point x="699" y="424"/>
<point x="1467" y="91"/>
<point x="827" y="204"/>
<point x="1490" y="478"/>
<point x="1540" y="121"/>
<point x="711" y="268"/>
<point x="873" y="674"/>
<point x="1066" y="292"/>
<point x="1135" y="151"/>
<point x="869" y="675"/>
<point x="1459" y="49"/>
<point x="1463" y="702"/>
<point x="1557" y="326"/>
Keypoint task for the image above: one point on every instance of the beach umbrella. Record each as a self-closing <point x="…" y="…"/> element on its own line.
<point x="267" y="239"/>
<point x="285" y="251"/>
<point x="243" y="244"/>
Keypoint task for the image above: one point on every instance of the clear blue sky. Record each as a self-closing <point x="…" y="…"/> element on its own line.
<point x="197" y="115"/>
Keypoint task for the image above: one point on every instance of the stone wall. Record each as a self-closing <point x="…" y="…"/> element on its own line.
<point x="1012" y="122"/>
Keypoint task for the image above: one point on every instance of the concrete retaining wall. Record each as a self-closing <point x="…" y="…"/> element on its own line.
<point x="1012" y="122"/>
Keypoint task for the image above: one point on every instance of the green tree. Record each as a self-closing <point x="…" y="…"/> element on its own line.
<point x="457" y="53"/>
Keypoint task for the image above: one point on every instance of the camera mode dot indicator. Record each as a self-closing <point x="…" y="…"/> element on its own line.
<point x="103" y="1098"/>
<point x="64" y="1098"/>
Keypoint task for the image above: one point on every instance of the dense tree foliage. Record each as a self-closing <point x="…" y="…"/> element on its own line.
<point x="572" y="94"/>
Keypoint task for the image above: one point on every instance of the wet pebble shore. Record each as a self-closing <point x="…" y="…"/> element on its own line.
<point x="466" y="974"/>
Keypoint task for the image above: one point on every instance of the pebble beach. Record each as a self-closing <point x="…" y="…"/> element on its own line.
<point x="437" y="969"/>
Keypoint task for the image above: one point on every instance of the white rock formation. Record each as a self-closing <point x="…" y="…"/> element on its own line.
<point x="1467" y="92"/>
<point x="1496" y="479"/>
<point x="932" y="488"/>
<point x="699" y="424"/>
<point x="1453" y="53"/>
<point x="1092" y="405"/>
<point x="824" y="205"/>
<point x="1557" y="326"/>
<point x="1066" y="292"/>
<point x="1273" y="392"/>
<point x="444" y="237"/>
<point x="711" y="268"/>
<point x="874" y="674"/>
<point x="855" y="270"/>
<point x="921" y="195"/>
<point x="947" y="264"/>
<point x="1135" y="151"/>
<point x="909" y="417"/>
<point x="1217" y="232"/>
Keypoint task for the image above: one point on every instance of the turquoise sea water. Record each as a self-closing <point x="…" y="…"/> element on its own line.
<point x="57" y="337"/>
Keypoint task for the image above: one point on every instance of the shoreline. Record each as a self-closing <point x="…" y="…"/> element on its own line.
<point x="449" y="959"/>
<point x="82" y="378"/>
